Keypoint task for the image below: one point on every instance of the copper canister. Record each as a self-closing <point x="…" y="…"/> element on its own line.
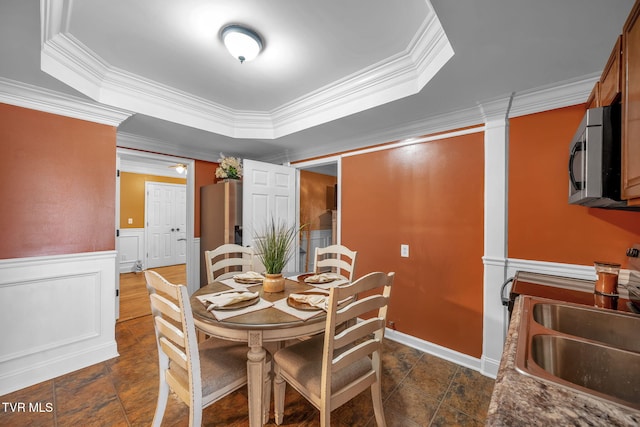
<point x="607" y="281"/>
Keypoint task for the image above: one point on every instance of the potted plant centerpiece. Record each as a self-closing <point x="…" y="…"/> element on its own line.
<point x="274" y="248"/>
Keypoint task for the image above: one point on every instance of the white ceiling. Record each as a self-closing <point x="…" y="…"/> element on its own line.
<point x="334" y="75"/>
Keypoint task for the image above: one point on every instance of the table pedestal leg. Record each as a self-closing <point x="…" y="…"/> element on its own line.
<point x="255" y="379"/>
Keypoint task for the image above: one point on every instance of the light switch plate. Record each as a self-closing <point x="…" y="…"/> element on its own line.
<point x="404" y="251"/>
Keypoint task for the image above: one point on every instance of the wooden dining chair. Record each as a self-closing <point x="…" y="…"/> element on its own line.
<point x="336" y="258"/>
<point x="227" y="260"/>
<point x="199" y="374"/>
<point x="331" y="369"/>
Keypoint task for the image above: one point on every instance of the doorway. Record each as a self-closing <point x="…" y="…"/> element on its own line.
<point x="130" y="240"/>
<point x="319" y="207"/>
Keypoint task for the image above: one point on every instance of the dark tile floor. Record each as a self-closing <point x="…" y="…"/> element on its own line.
<point x="419" y="390"/>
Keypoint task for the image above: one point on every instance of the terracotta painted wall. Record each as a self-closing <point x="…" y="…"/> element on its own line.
<point x="542" y="225"/>
<point x="429" y="196"/>
<point x="58" y="184"/>
<point x="313" y="201"/>
<point x="132" y="197"/>
<point x="205" y="175"/>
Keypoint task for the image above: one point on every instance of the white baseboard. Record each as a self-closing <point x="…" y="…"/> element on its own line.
<point x="437" y="350"/>
<point x="57" y="314"/>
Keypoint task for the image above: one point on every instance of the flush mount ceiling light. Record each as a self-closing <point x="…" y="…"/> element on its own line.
<point x="180" y="168"/>
<point x="241" y="42"/>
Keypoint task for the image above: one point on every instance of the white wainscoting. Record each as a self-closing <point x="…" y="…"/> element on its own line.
<point x="131" y="249"/>
<point x="57" y="315"/>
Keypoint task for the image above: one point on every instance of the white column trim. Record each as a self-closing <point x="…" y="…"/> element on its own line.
<point x="496" y="159"/>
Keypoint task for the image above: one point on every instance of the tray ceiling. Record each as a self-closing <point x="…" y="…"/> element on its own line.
<point x="321" y="60"/>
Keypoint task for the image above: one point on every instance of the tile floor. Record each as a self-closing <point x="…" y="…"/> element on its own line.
<point x="419" y="390"/>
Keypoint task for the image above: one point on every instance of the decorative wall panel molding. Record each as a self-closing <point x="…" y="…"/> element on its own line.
<point x="131" y="249"/>
<point x="57" y="315"/>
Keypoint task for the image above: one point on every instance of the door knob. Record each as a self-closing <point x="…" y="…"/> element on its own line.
<point x="173" y="229"/>
<point x="177" y="229"/>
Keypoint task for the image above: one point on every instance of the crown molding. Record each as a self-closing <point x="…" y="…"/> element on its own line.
<point x="546" y="98"/>
<point x="562" y="94"/>
<point x="558" y="95"/>
<point x="399" y="76"/>
<point x="36" y="98"/>
<point x="68" y="60"/>
<point x="137" y="142"/>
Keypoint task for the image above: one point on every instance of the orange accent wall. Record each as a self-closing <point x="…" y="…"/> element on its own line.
<point x="429" y="196"/>
<point x="132" y="197"/>
<point x="313" y="199"/>
<point x="542" y="224"/>
<point x="58" y="184"/>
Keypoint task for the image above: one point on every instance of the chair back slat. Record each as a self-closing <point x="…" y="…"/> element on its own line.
<point x="156" y="283"/>
<point x="168" y="330"/>
<point x="174" y="353"/>
<point x="355" y="353"/>
<point x="177" y="385"/>
<point x="227" y="260"/>
<point x="360" y="307"/>
<point x="358" y="331"/>
<point x="164" y="307"/>
<point x="336" y="258"/>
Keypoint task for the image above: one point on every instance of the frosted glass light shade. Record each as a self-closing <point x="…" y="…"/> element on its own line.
<point x="241" y="42"/>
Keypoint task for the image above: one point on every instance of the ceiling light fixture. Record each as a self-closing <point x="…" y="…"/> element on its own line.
<point x="241" y="42"/>
<point x="180" y="168"/>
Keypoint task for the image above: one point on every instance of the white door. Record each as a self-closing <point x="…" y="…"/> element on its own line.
<point x="268" y="191"/>
<point x="165" y="228"/>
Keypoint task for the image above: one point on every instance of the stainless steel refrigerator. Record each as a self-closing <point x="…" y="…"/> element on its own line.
<point x="220" y="218"/>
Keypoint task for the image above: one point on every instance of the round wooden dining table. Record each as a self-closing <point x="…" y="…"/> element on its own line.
<point x="257" y="328"/>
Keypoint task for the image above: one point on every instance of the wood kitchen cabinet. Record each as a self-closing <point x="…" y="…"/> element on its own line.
<point x="594" y="97"/>
<point x="610" y="85"/>
<point x="631" y="107"/>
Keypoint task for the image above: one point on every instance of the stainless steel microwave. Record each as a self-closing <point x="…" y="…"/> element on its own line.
<point x="594" y="160"/>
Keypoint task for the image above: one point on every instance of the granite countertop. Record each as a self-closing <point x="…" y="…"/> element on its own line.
<point x="519" y="399"/>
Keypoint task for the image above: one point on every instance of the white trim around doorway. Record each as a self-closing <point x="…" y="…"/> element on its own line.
<point x="140" y="159"/>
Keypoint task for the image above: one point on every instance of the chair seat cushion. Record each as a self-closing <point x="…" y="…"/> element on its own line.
<point x="221" y="364"/>
<point x="303" y="361"/>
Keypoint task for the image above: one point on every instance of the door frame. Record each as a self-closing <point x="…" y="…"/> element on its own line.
<point x="320" y="162"/>
<point x="144" y="159"/>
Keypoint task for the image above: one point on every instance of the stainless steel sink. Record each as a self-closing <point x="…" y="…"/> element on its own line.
<point x="589" y="350"/>
<point x="598" y="368"/>
<point x="609" y="327"/>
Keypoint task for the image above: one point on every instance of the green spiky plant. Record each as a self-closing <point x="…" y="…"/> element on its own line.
<point x="274" y="245"/>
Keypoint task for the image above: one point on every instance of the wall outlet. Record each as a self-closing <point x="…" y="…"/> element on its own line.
<point x="130" y="221"/>
<point x="404" y="251"/>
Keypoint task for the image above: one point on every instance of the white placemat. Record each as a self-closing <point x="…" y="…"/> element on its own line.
<point x="235" y="285"/>
<point x="226" y="314"/>
<point x="300" y="314"/>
